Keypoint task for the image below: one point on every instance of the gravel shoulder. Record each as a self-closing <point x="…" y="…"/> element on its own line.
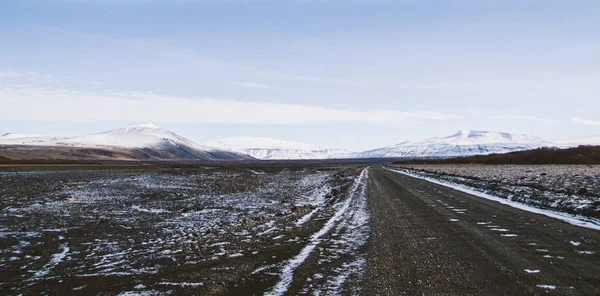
<point x="572" y="189"/>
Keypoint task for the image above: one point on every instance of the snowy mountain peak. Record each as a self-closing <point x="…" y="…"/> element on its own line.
<point x="146" y="125"/>
<point x="482" y="135"/>
<point x="479" y="134"/>
<point x="139" y="128"/>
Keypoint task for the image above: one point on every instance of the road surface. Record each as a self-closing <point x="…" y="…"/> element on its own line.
<point x="428" y="239"/>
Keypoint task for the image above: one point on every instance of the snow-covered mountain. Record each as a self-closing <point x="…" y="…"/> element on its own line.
<point x="266" y="148"/>
<point x="587" y="141"/>
<point x="462" y="143"/>
<point x="149" y="139"/>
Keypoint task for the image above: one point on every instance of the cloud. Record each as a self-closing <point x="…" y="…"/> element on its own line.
<point x="516" y="117"/>
<point x="253" y="85"/>
<point x="9" y="74"/>
<point x="525" y="117"/>
<point x="27" y="78"/>
<point x="25" y="75"/>
<point x="44" y="104"/>
<point x="585" y="121"/>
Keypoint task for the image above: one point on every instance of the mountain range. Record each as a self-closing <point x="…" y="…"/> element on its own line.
<point x="146" y="142"/>
<point x="149" y="142"/>
<point x="266" y="148"/>
<point x="462" y="143"/>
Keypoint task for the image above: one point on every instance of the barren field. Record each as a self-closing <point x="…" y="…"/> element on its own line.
<point x="298" y="230"/>
<point x="569" y="188"/>
<point x="207" y="231"/>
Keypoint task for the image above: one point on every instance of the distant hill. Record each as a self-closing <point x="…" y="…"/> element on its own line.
<point x="272" y="149"/>
<point x="140" y="142"/>
<point x="577" y="155"/>
<point x="462" y="143"/>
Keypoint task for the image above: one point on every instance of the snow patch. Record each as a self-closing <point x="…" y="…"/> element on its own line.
<point x="571" y="219"/>
<point x="545" y="286"/>
<point x="182" y="284"/>
<point x="145" y="210"/>
<point x="306" y="217"/>
<point x="55" y="259"/>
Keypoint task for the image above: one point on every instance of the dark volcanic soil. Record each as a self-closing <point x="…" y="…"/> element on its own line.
<point x="206" y="232"/>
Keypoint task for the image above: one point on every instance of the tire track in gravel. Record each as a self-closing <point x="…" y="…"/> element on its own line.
<point x="334" y="254"/>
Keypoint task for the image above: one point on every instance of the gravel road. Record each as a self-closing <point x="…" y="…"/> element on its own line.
<point x="427" y="239"/>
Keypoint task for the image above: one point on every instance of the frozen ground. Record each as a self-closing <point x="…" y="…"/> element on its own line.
<point x="573" y="189"/>
<point x="209" y="231"/>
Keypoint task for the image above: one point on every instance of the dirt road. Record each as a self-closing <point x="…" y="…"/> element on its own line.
<point x="427" y="239"/>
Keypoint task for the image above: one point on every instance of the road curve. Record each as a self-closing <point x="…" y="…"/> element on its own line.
<point x="428" y="239"/>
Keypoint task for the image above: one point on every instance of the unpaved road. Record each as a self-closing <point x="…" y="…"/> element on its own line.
<point x="427" y="239"/>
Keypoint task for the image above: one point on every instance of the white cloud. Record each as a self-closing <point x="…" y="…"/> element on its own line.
<point x="9" y="74"/>
<point x="530" y="118"/>
<point x="253" y="85"/>
<point x="43" y="104"/>
<point x="585" y="121"/>
<point x="514" y="117"/>
<point x="31" y="76"/>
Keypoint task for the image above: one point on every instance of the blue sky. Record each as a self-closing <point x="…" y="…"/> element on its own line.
<point x="341" y="74"/>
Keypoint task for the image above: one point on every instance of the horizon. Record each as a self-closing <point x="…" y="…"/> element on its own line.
<point x="215" y="140"/>
<point x="353" y="75"/>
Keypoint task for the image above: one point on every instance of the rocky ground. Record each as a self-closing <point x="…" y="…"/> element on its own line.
<point x="298" y="230"/>
<point x="573" y="189"/>
<point x="205" y="231"/>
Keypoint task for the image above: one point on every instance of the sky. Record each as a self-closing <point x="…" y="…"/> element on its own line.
<point x="351" y="74"/>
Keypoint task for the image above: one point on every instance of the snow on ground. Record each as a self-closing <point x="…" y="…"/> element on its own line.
<point x="55" y="259"/>
<point x="350" y="233"/>
<point x="583" y="221"/>
<point x="152" y="233"/>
